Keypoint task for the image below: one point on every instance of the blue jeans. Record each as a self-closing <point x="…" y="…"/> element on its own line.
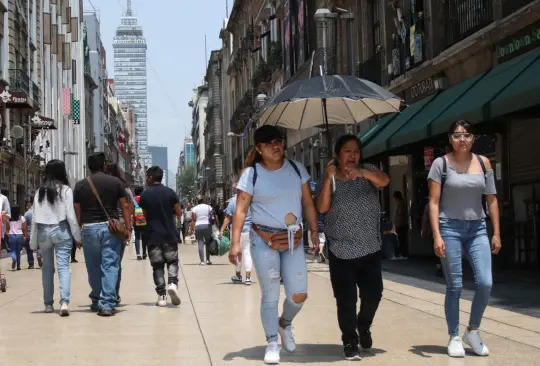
<point x="122" y="250"/>
<point x="471" y="238"/>
<point x="55" y="239"/>
<point x="16" y="242"/>
<point x="102" y="254"/>
<point x="272" y="266"/>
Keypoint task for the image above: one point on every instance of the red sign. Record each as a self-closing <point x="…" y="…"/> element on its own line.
<point x="429" y="156"/>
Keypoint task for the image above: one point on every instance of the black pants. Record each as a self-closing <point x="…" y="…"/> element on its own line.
<point x="403" y="242"/>
<point x="163" y="251"/>
<point x="73" y="250"/>
<point x="122" y="251"/>
<point x="141" y="237"/>
<point x="346" y="275"/>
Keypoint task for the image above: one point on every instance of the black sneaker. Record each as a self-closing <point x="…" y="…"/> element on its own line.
<point x="351" y="352"/>
<point x="139" y="258"/>
<point x="74" y="261"/>
<point x="365" y="338"/>
<point x="13" y="264"/>
<point x="31" y="266"/>
<point x="144" y="256"/>
<point x="40" y="262"/>
<point x="105" y="312"/>
<point x="208" y="262"/>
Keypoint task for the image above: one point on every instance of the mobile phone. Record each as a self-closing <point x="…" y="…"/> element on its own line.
<point x="336" y="162"/>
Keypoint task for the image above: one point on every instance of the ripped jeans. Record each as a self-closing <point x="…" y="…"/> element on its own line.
<point x="271" y="266"/>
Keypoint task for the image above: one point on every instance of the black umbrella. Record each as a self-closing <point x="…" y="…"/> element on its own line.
<point x="327" y="100"/>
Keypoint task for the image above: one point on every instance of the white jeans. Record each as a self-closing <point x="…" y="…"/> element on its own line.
<point x="245" y="242"/>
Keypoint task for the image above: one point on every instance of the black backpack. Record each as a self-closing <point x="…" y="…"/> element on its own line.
<point x="445" y="174"/>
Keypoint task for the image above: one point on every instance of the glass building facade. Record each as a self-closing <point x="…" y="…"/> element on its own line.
<point x="189" y="153"/>
<point x="129" y="47"/>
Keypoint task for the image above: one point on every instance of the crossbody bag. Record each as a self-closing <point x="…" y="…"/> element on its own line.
<point x="115" y="226"/>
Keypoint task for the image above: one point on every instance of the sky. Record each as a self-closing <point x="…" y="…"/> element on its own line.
<point x="175" y="32"/>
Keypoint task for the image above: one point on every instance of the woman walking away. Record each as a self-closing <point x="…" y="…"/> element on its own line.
<point x="16" y="229"/>
<point x="140" y="225"/>
<point x="278" y="194"/>
<point x="203" y="219"/>
<point x="353" y="236"/>
<point x="55" y="227"/>
<point x="112" y="169"/>
<point x="461" y="191"/>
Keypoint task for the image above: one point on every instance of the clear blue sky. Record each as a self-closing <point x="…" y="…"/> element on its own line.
<point x="174" y="31"/>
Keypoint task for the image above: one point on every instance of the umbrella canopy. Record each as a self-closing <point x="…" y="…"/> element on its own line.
<point x="327" y="100"/>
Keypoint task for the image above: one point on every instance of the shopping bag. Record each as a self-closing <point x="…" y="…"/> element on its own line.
<point x="224" y="245"/>
<point x="213" y="246"/>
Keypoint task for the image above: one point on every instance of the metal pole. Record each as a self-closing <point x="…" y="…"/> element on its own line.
<point x="25" y="148"/>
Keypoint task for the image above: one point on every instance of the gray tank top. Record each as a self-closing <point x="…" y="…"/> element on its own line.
<point x="462" y="197"/>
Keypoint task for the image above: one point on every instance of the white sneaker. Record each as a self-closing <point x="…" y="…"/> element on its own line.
<point x="287" y="338"/>
<point x="455" y="347"/>
<point x="472" y="338"/>
<point x="248" y="281"/>
<point x="173" y="294"/>
<point x="162" y="301"/>
<point x="203" y="264"/>
<point x="64" y="309"/>
<point x="271" y="357"/>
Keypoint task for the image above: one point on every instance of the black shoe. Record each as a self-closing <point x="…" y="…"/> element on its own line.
<point x="144" y="256"/>
<point x="105" y="312"/>
<point x="118" y="300"/>
<point x="94" y="308"/>
<point x="31" y="266"/>
<point x="13" y="265"/>
<point x="40" y="262"/>
<point x="366" y="342"/>
<point x="18" y="268"/>
<point x="74" y="261"/>
<point x="208" y="262"/>
<point x="351" y="351"/>
<point x="139" y="258"/>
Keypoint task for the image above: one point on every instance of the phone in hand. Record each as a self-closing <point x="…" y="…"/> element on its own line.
<point x="335" y="162"/>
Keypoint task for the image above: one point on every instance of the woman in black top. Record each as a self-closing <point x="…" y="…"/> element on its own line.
<point x="352" y="229"/>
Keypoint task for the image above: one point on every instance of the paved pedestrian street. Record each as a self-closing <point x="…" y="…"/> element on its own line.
<point x="218" y="324"/>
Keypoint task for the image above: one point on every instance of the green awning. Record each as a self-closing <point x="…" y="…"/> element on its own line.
<point x="522" y="93"/>
<point x="379" y="143"/>
<point x="370" y="134"/>
<point x="419" y="128"/>
<point x="474" y="106"/>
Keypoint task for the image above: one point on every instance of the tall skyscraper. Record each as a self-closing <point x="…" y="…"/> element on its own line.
<point x="159" y="158"/>
<point x="130" y="75"/>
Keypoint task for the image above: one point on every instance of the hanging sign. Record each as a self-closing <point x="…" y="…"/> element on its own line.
<point x="429" y="157"/>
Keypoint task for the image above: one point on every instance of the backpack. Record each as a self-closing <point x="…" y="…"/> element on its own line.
<point x="445" y="174"/>
<point x="295" y="167"/>
<point x="140" y="220"/>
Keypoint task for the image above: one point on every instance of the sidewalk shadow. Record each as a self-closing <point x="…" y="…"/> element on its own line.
<point x="153" y="305"/>
<point x="427" y="350"/>
<point x="305" y="353"/>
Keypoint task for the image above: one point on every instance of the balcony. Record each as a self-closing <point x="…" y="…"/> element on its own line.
<point x="22" y="90"/>
<point x="511" y="6"/>
<point x="465" y="17"/>
<point x="371" y="69"/>
<point x="243" y="112"/>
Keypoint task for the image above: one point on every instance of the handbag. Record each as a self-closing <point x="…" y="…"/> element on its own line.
<point x="279" y="240"/>
<point x="115" y="226"/>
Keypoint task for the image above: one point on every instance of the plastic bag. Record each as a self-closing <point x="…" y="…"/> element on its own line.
<point x="213" y="246"/>
<point x="224" y="245"/>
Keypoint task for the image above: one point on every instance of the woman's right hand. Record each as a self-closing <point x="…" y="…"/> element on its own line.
<point x="330" y="170"/>
<point x="235" y="253"/>
<point x="439" y="246"/>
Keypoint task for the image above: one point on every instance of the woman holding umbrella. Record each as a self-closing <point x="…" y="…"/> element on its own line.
<point x="278" y="193"/>
<point x="352" y="219"/>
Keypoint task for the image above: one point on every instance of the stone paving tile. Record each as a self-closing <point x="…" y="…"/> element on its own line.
<point x="218" y="324"/>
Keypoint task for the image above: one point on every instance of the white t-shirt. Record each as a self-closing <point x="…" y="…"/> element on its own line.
<point x="203" y="212"/>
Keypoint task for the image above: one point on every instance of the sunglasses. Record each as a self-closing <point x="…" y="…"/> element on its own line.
<point x="458" y="136"/>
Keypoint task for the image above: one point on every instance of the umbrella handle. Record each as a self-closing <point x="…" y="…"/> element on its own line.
<point x="334" y="183"/>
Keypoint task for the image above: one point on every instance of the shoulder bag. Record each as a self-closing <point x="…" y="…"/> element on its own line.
<point x="115" y="226"/>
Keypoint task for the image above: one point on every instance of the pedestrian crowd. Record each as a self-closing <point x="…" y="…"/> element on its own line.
<point x="264" y="220"/>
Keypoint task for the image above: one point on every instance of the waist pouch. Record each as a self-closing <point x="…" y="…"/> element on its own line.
<point x="278" y="240"/>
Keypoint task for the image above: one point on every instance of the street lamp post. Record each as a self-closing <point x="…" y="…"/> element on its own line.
<point x="241" y="136"/>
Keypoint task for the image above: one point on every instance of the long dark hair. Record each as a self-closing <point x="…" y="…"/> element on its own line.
<point x="112" y="169"/>
<point x="467" y="126"/>
<point x="15" y="213"/>
<point x="55" y="175"/>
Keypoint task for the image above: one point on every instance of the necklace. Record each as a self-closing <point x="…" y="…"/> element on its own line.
<point x="464" y="170"/>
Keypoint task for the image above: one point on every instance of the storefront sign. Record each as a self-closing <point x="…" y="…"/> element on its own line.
<point x="429" y="157"/>
<point x="421" y="90"/>
<point x="323" y="153"/>
<point x="519" y="43"/>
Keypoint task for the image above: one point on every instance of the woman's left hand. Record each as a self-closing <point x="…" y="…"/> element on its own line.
<point x="354" y="173"/>
<point x="495" y="244"/>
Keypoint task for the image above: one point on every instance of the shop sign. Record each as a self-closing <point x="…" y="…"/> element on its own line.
<point x="429" y="157"/>
<point x="519" y="43"/>
<point x="421" y="90"/>
<point x="323" y="153"/>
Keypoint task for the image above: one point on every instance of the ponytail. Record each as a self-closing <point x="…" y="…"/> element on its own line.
<point x="253" y="157"/>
